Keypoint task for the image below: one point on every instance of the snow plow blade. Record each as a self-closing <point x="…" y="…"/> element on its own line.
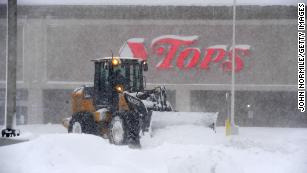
<point x="164" y="119"/>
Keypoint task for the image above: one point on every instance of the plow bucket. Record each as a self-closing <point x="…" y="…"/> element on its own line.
<point x="164" y="119"/>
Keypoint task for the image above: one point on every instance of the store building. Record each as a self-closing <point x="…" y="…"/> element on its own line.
<point x="187" y="47"/>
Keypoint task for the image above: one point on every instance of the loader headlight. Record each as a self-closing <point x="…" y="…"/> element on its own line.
<point x="119" y="88"/>
<point x="115" y="61"/>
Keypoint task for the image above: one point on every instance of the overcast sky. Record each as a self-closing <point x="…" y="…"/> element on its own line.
<point x="157" y="2"/>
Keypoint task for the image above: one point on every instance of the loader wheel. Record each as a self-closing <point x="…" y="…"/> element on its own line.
<point x="83" y="122"/>
<point x="118" y="131"/>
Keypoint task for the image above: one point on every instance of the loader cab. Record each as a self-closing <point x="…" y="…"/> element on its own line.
<point x="115" y="75"/>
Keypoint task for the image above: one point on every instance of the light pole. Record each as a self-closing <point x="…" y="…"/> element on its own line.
<point x="11" y="61"/>
<point x="231" y="127"/>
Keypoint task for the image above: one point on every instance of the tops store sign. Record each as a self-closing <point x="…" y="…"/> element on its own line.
<point x="181" y="50"/>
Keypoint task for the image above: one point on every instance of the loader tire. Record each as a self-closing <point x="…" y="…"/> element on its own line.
<point x="118" y="130"/>
<point x="134" y="126"/>
<point x="83" y="122"/>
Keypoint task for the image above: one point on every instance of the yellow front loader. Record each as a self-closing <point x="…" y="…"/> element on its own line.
<point x="118" y="106"/>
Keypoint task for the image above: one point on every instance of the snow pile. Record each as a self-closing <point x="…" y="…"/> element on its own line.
<point x="175" y="149"/>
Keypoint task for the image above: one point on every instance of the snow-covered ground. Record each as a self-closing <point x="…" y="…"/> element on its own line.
<point x="176" y="149"/>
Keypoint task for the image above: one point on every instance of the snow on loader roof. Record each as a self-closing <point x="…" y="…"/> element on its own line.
<point x="109" y="58"/>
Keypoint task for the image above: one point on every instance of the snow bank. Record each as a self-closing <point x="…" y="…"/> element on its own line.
<point x="175" y="149"/>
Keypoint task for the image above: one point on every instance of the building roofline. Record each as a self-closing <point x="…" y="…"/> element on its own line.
<point x="154" y="12"/>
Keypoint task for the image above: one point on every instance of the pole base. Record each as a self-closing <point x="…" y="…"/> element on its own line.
<point x="10" y="132"/>
<point x="231" y="128"/>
